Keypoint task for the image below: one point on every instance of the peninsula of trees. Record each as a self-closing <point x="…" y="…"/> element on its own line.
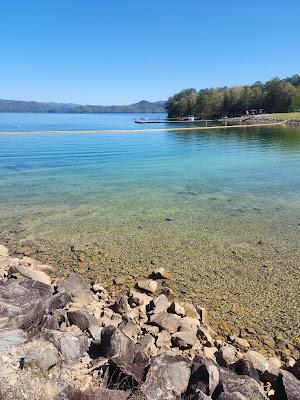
<point x="275" y="96"/>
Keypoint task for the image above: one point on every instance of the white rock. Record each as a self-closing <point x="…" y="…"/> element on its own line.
<point x="4" y="251"/>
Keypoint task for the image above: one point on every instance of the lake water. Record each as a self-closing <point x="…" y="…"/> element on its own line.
<point x="220" y="209"/>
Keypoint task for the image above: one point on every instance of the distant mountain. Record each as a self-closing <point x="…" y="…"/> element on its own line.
<point x="40" y="107"/>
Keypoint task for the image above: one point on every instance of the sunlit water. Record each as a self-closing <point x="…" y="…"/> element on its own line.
<point x="220" y="209"/>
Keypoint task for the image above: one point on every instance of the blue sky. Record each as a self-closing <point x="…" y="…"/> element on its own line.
<point x="122" y="51"/>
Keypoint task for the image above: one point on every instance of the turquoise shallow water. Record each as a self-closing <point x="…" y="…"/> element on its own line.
<point x="218" y="208"/>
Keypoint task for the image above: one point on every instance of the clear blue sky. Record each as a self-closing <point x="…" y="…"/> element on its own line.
<point x="122" y="51"/>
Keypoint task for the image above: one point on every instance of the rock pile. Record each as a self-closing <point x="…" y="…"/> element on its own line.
<point x="67" y="339"/>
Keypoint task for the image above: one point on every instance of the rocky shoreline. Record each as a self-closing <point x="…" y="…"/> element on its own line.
<point x="69" y="339"/>
<point x="253" y="119"/>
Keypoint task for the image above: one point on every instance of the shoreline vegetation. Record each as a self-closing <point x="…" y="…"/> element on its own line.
<point x="274" y="96"/>
<point x="66" y="338"/>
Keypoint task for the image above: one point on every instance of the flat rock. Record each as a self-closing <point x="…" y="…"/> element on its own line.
<point x="95" y="332"/>
<point x="189" y="324"/>
<point x="160" y="303"/>
<point x="167" y="378"/>
<point x="30" y="273"/>
<point x="12" y="338"/>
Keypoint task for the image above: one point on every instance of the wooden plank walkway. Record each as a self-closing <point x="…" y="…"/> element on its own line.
<point x="194" y="128"/>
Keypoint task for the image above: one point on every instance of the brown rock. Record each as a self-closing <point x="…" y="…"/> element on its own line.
<point x="242" y="344"/>
<point x="147" y="285"/>
<point x="190" y="310"/>
<point x="161" y="273"/>
<point x="163" y="340"/>
<point x="176" y="308"/>
<point x="4" y="251"/>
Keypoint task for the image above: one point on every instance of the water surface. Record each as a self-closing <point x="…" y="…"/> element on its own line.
<point x="220" y="209"/>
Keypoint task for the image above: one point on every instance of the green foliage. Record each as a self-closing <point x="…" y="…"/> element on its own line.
<point x="276" y="95"/>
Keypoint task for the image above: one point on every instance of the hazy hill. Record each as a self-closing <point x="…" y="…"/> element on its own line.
<point x="38" y="107"/>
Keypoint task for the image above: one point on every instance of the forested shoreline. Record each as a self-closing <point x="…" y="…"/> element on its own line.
<point x="274" y="96"/>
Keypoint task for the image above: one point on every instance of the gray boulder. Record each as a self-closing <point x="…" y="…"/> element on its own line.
<point x="12" y="338"/>
<point x="204" y="376"/>
<point x="289" y="386"/>
<point x="243" y="384"/>
<point x="21" y="307"/>
<point x="59" y="300"/>
<point x="168" y="378"/>
<point x="164" y="320"/>
<point x="184" y="339"/>
<point x="245" y="367"/>
<point x="82" y="319"/>
<point x="121" y="305"/>
<point x="73" y="284"/>
<point x="41" y="355"/>
<point x="124" y="355"/>
<point x="71" y="347"/>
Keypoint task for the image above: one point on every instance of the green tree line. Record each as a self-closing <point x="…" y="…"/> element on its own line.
<point x="276" y="95"/>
